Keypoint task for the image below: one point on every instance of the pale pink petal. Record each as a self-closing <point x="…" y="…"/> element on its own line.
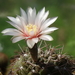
<point x="32" y="33"/>
<point x="45" y="16"/>
<point x="16" y="39"/>
<point x="41" y="13"/>
<point x="30" y="11"/>
<point x="12" y="19"/>
<point x="35" y="40"/>
<point x="47" y="23"/>
<point x="39" y="17"/>
<point x="16" y="22"/>
<point x="14" y="25"/>
<point x="33" y="16"/>
<point x="23" y="14"/>
<point x="23" y="24"/>
<point x="11" y="31"/>
<point x="48" y="30"/>
<point x="46" y="37"/>
<point x="30" y="43"/>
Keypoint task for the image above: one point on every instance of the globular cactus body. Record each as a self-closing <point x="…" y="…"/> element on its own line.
<point x="50" y="62"/>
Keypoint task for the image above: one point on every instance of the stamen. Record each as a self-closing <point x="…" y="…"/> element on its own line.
<point x="31" y="28"/>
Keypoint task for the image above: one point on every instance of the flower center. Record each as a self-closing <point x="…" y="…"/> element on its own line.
<point x="31" y="28"/>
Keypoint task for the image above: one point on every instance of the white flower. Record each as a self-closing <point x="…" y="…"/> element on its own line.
<point x="31" y="26"/>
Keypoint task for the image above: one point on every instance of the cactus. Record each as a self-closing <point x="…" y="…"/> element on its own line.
<point x="50" y="62"/>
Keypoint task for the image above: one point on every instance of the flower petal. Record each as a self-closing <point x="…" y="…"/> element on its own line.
<point x="48" y="22"/>
<point x="31" y="15"/>
<point x="39" y="17"/>
<point x="41" y="13"/>
<point x="16" y="22"/>
<point x="30" y="11"/>
<point x="23" y="14"/>
<point x="46" y="37"/>
<point x="45" y="16"/>
<point x="23" y="23"/>
<point x="35" y="40"/>
<point x="30" y="43"/>
<point x="14" y="25"/>
<point x="12" y="19"/>
<point x="11" y="31"/>
<point x="48" y="30"/>
<point x="16" y="39"/>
